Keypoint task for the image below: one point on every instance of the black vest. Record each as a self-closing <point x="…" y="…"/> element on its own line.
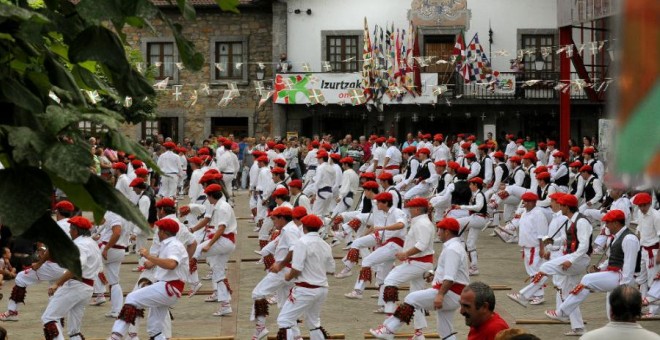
<point x="592" y="164"/>
<point x="573" y="188"/>
<point x="482" y="172"/>
<point x="542" y="193"/>
<point x="366" y="204"/>
<point x="617" y="255"/>
<point x="441" y="183"/>
<point x="462" y="193"/>
<point x="563" y="180"/>
<point x="423" y="171"/>
<point x="572" y="242"/>
<point x="473" y="201"/>
<point x="409" y="170"/>
<point x="589" y="191"/>
<point x="505" y="172"/>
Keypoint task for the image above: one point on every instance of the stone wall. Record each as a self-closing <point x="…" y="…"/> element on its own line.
<point x="254" y="25"/>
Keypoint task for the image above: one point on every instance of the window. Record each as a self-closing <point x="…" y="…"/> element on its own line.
<point x="89" y="129"/>
<point x="161" y="56"/>
<point x="340" y="48"/>
<point x="538" y="42"/>
<point x="227" y="54"/>
<point x="150" y="128"/>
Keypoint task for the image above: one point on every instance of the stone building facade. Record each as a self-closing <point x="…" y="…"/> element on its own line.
<point x="244" y="38"/>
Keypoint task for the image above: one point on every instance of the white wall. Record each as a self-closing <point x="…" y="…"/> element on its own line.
<point x="506" y="16"/>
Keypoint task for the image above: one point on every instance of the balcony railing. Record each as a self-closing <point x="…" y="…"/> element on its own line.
<point x="528" y="85"/>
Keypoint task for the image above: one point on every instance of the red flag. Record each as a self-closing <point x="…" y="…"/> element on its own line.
<point x="417" y="72"/>
<point x="459" y="52"/>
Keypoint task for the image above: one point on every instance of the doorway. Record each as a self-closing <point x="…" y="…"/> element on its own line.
<point x="225" y="126"/>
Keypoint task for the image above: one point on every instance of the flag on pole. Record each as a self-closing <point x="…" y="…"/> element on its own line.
<point x="476" y="67"/>
<point x="459" y="52"/>
<point x="416" y="69"/>
<point x="367" y="63"/>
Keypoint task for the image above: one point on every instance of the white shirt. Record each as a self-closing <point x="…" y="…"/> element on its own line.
<point x="223" y="214"/>
<point x="452" y="263"/>
<point x="392" y="216"/>
<point x="254" y="173"/>
<point x="303" y="201"/>
<point x="420" y="235"/>
<point x="557" y="231"/>
<point x="584" y="230"/>
<point x="324" y="177"/>
<point x="413" y="164"/>
<point x="551" y="189"/>
<point x="620" y="330"/>
<point x="111" y="220"/>
<point x="630" y="246"/>
<point x="498" y="176"/>
<point x="264" y="179"/>
<point x="379" y="155"/>
<point x="488" y="171"/>
<point x="475" y="168"/>
<point x="288" y="236"/>
<point x="184" y="235"/>
<point x="64" y="224"/>
<point x="228" y="163"/>
<point x="338" y="177"/>
<point x="169" y="163"/>
<point x="394" y="155"/>
<point x="542" y="156"/>
<point x="312" y="257"/>
<point x="510" y="149"/>
<point x="533" y="226"/>
<point x="598" y="189"/>
<point x="195" y="189"/>
<point x="648" y="226"/>
<point x="441" y="152"/>
<point x="349" y="183"/>
<point x="310" y="158"/>
<point x="479" y="201"/>
<point x="172" y="249"/>
<point x="91" y="262"/>
<point x="123" y="185"/>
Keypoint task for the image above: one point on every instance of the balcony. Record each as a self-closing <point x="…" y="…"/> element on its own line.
<point x="504" y="89"/>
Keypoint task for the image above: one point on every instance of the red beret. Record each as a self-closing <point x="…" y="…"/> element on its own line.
<point x="296" y="183"/>
<point x="568" y="200"/>
<point x="380" y="140"/>
<point x="542" y="145"/>
<point x="499" y="154"/>
<point x="168" y="224"/>
<point x="347" y="160"/>
<point x="280" y="192"/>
<point x="136" y="163"/>
<point x="335" y="156"/>
<point x="391" y="140"/>
<point x="169" y="145"/>
<point x="312" y="221"/>
<point x="519" y="140"/>
<point x="321" y="154"/>
<point x="615" y="215"/>
<point x="257" y="153"/>
<point x="557" y="195"/>
<point x="409" y="149"/>
<point x="477" y="180"/>
<point x="541" y="168"/>
<point x="514" y="159"/>
<point x="529" y="155"/>
<point x="141" y="172"/>
<point x="165" y="202"/>
<point x="642" y="198"/>
<point x="484" y="146"/>
<point x="544" y="176"/>
<point x="576" y="149"/>
<point x="470" y="155"/>
<point x="438" y="137"/>
<point x="299" y="212"/>
<point x="326" y="146"/>
<point x="420" y="202"/>
<point x="281" y="162"/>
<point x="454" y="165"/>
<point x="227" y="144"/>
<point x="466" y="145"/>
<point x="427" y="136"/>
<point x="472" y="138"/>
<point x="131" y="157"/>
<point x="384" y="196"/>
<point x="203" y="151"/>
<point x="195" y="160"/>
<point x="385" y="176"/>
<point x="586" y="168"/>
<point x="222" y="140"/>
<point x="368" y="175"/>
<point x="136" y="181"/>
<point x="449" y="223"/>
<point x="65" y="206"/>
<point x="529" y="196"/>
<point x="520" y="152"/>
<point x="119" y="165"/>
<point x="440" y="163"/>
<point x="277" y="170"/>
<point x="280" y="147"/>
<point x="213" y="188"/>
<point x="209" y="177"/>
<point x="552" y="143"/>
<point x="80" y="222"/>
<point x="463" y="171"/>
<point x="424" y="150"/>
<point x="576" y="164"/>
<point x="315" y="143"/>
<point x="510" y="136"/>
<point x="558" y="154"/>
<point x="281" y="211"/>
<point x="589" y="150"/>
<point x="263" y="159"/>
<point x="370" y="185"/>
<point x="460" y="135"/>
<point x="270" y="144"/>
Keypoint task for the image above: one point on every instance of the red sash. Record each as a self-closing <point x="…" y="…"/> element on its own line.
<point x="395" y="240"/>
<point x="425" y="258"/>
<point x="456" y="287"/>
<point x="113" y="247"/>
<point x="532" y="251"/>
<point x="88" y="282"/>
<point x="306" y="285"/>
<point x="391" y="167"/>
<point x="174" y="287"/>
<point x="650" y="250"/>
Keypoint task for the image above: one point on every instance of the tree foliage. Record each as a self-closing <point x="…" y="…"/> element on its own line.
<point x="54" y="54"/>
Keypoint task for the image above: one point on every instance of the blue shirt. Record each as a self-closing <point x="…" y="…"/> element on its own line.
<point x="241" y="148"/>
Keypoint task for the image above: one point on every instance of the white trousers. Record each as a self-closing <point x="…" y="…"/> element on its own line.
<point x="419" y="190"/>
<point x="227" y="180"/>
<point x="168" y="184"/>
<point x="423" y="300"/>
<point x="597" y="282"/>
<point x="158" y="300"/>
<point x="383" y="257"/>
<point x="49" y="271"/>
<point x="409" y="271"/>
<point x="532" y="261"/>
<point x="307" y="302"/>
<point x="217" y="256"/>
<point x="111" y="268"/>
<point x="68" y="301"/>
<point x="270" y="284"/>
<point x="475" y="223"/>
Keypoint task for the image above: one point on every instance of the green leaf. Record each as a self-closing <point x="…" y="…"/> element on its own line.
<point x="56" y="118"/>
<point x="71" y="162"/>
<point x="26" y="142"/>
<point x="187" y="10"/>
<point x="99" y="44"/>
<point x="14" y="92"/>
<point x="228" y="5"/>
<point x="26" y="193"/>
<point x="190" y="58"/>
<point x="88" y="80"/>
<point x="60" y="77"/>
<point x="60" y="246"/>
<point x="15" y="12"/>
<point x="121" y="142"/>
<point x="133" y="84"/>
<point x="5" y="36"/>
<point x="79" y="196"/>
<point x="102" y="118"/>
<point x="109" y="197"/>
<point x="99" y="10"/>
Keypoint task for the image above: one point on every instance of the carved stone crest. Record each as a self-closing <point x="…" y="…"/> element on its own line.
<point x="443" y="13"/>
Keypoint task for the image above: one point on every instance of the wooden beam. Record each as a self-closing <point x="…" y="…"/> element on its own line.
<point x="376" y="288"/>
<point x="541" y="322"/>
<point x="500" y="287"/>
<point x="405" y="335"/>
<point x="306" y="337"/>
<point x="136" y="262"/>
<point x="654" y="318"/>
<point x="199" y="292"/>
<point x="220" y="337"/>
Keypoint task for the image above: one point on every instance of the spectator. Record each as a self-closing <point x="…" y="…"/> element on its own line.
<point x="6" y="269"/>
<point x="507" y="334"/>
<point x="524" y="336"/>
<point x="478" y="306"/>
<point x="529" y="143"/>
<point x="625" y="309"/>
<point x="284" y="65"/>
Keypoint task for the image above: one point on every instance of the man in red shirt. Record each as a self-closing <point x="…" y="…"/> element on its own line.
<point x="477" y="306"/>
